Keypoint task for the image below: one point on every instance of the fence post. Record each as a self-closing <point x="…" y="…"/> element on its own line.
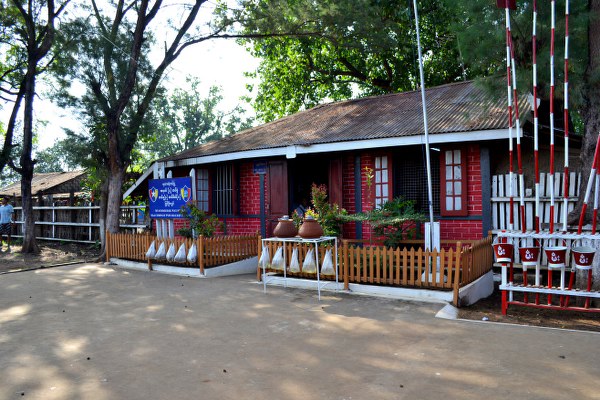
<point x="201" y="253"/>
<point x="259" y="253"/>
<point x="345" y="264"/>
<point x="107" y="245"/>
<point x="457" y="267"/>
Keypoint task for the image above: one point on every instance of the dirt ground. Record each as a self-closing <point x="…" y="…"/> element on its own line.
<point x="490" y="309"/>
<point x="51" y="254"/>
<point x="57" y="253"/>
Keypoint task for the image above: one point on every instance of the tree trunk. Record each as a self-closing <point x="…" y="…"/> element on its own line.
<point x="113" y="210"/>
<point x="26" y="168"/>
<point x="102" y="218"/>
<point x="590" y="110"/>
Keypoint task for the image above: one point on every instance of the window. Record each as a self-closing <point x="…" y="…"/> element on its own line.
<point x="382" y="181"/>
<point x="223" y="190"/>
<point x="454" y="182"/>
<point x="203" y="190"/>
<point x="410" y="178"/>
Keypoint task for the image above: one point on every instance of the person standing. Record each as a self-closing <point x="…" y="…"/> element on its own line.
<point x="6" y="221"/>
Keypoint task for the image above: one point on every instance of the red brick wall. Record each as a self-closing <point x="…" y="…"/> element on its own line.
<point x="468" y="229"/>
<point x="348" y="188"/>
<point x="243" y="226"/>
<point x="474" y="180"/>
<point x="460" y="230"/>
<point x="249" y="190"/>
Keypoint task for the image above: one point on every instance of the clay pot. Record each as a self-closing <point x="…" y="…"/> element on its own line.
<point x="285" y="228"/>
<point x="310" y="229"/>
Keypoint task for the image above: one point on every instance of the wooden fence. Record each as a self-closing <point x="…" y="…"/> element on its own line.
<point x="501" y="200"/>
<point x="211" y="251"/>
<point x="449" y="269"/>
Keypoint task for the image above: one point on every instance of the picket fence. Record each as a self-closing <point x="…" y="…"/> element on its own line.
<point x="211" y="251"/>
<point x="448" y="269"/>
<point x="501" y="200"/>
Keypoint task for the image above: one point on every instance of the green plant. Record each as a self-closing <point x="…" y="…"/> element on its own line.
<point x="330" y="216"/>
<point x="394" y="221"/>
<point x="199" y="222"/>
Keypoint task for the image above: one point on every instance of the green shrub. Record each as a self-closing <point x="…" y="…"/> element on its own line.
<point x="200" y="223"/>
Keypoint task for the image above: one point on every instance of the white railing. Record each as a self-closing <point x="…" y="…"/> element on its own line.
<point x="501" y="200"/>
<point x="76" y="223"/>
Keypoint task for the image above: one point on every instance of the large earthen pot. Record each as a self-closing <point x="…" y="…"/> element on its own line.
<point x="285" y="228"/>
<point x="310" y="229"/>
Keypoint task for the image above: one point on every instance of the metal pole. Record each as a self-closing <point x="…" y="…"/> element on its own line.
<point x="429" y="190"/>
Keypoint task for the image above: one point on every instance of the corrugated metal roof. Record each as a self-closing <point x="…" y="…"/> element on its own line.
<point x="457" y="107"/>
<point x="42" y="182"/>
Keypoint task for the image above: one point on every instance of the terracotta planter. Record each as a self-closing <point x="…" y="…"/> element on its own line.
<point x="310" y="229"/>
<point x="285" y="228"/>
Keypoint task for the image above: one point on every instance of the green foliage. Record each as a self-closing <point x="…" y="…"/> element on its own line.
<point x="201" y="224"/>
<point x="187" y="118"/>
<point x="330" y="216"/>
<point x="480" y="28"/>
<point x="394" y="220"/>
<point x="337" y="49"/>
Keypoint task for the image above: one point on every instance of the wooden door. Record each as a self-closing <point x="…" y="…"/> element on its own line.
<point x="278" y="194"/>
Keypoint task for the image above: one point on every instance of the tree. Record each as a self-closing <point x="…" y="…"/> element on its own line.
<point x="120" y="81"/>
<point x="337" y="49"/>
<point x="28" y="31"/>
<point x="186" y="119"/>
<point x="61" y="156"/>
<point x="482" y="34"/>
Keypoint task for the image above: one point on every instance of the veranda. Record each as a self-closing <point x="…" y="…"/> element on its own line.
<point x="450" y="269"/>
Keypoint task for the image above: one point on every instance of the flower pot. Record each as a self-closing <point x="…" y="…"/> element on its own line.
<point x="310" y="229"/>
<point x="285" y="228"/>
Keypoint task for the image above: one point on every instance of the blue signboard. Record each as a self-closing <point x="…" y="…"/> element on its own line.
<point x="167" y="196"/>
<point x="260" y="167"/>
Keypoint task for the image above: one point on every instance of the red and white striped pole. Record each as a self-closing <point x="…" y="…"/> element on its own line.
<point x="566" y="129"/>
<point x="518" y="135"/>
<point x="551" y="174"/>
<point x="589" y="186"/>
<point x="596" y="199"/>
<point x="593" y="177"/>
<point x="553" y="28"/>
<point x="511" y="219"/>
<point x="535" y="123"/>
<point x="536" y="155"/>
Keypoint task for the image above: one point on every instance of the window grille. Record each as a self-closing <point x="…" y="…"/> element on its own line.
<point x="202" y="198"/>
<point x="223" y="193"/>
<point x="411" y="179"/>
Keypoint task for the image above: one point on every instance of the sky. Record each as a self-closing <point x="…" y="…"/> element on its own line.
<point x="220" y="62"/>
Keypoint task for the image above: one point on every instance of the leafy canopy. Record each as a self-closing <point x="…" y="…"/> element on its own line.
<point x="313" y="51"/>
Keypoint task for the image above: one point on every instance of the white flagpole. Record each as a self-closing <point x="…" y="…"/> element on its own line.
<point x="429" y="189"/>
